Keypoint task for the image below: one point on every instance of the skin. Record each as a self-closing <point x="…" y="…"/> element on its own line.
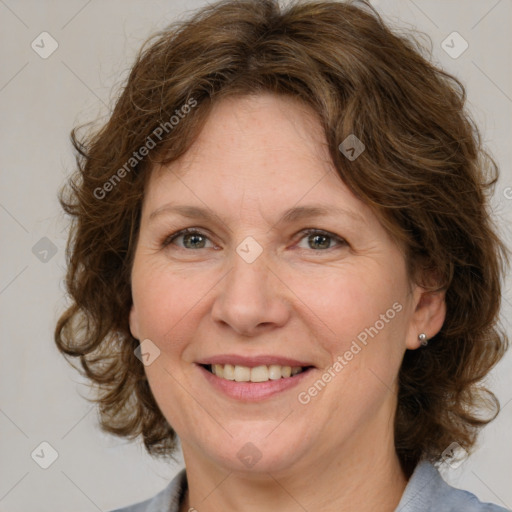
<point x="194" y="298"/>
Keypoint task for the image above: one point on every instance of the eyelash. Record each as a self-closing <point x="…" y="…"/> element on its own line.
<point x="305" y="233"/>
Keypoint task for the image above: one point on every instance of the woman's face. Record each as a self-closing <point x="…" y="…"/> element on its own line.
<point x="250" y="291"/>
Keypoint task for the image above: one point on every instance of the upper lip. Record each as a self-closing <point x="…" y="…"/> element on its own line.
<point x="252" y="361"/>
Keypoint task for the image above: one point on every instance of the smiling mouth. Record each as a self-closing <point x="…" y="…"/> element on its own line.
<point x="262" y="373"/>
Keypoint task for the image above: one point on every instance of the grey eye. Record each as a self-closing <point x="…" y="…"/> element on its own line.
<point x="320" y="240"/>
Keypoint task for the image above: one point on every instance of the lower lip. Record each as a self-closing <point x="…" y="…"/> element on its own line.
<point x="253" y="391"/>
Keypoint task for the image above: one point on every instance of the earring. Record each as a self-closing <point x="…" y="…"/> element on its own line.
<point x="423" y="339"/>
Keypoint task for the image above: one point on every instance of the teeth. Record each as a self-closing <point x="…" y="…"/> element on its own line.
<point x="242" y="374"/>
<point x="261" y="373"/>
<point x="286" y="371"/>
<point x="274" y="372"/>
<point x="229" y="371"/>
<point x="218" y="370"/>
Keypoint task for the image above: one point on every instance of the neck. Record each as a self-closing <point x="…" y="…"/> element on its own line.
<point x="363" y="477"/>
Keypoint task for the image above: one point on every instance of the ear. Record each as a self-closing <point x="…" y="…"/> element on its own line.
<point x="134" y="322"/>
<point x="428" y="316"/>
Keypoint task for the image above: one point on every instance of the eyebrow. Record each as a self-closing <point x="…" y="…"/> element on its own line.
<point x="289" y="216"/>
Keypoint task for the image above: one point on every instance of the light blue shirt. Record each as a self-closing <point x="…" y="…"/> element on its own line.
<point x="426" y="491"/>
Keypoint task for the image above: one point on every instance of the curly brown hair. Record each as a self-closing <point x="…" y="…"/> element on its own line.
<point x="424" y="173"/>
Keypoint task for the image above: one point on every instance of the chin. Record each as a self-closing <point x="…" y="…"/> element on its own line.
<point x="258" y="452"/>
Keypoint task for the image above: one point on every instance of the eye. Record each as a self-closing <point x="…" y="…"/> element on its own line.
<point x="316" y="238"/>
<point x="192" y="239"/>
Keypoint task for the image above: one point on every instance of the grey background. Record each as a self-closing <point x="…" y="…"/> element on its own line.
<point x="40" y="101"/>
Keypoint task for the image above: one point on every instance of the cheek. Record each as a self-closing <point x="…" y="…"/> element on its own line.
<point x="362" y="330"/>
<point x="348" y="301"/>
<point x="165" y="303"/>
<point x="165" y="300"/>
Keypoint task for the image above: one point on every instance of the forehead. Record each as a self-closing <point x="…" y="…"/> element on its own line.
<point x="258" y="133"/>
<point x="268" y="152"/>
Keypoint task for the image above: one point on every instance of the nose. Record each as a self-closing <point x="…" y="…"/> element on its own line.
<point x="251" y="299"/>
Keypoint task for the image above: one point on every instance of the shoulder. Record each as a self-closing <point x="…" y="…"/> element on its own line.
<point x="428" y="492"/>
<point x="167" y="500"/>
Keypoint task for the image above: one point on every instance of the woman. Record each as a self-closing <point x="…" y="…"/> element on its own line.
<point x="282" y="255"/>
